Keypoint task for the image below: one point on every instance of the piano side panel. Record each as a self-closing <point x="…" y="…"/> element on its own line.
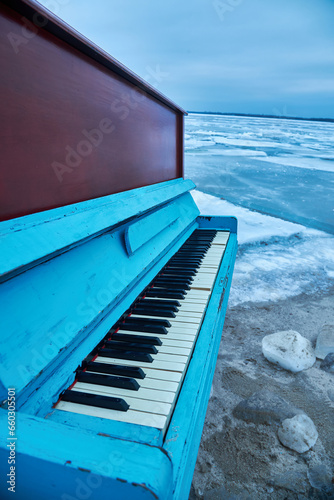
<point x="183" y="437"/>
<point x="73" y="130"/>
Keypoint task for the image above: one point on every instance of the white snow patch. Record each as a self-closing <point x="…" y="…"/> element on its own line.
<point x="289" y="350"/>
<point x="298" y="433"/>
<point x="308" y="163"/>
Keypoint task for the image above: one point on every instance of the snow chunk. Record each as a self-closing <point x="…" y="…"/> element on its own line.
<point x="289" y="350"/>
<point x="298" y="433"/>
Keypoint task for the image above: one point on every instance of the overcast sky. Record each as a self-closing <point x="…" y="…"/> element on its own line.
<point x="245" y="56"/>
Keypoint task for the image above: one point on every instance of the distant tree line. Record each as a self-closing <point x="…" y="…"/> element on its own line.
<point x="263" y="116"/>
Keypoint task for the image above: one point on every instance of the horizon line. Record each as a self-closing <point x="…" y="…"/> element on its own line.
<point x="259" y="115"/>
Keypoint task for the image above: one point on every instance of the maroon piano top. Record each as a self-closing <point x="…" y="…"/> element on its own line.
<point x="75" y="123"/>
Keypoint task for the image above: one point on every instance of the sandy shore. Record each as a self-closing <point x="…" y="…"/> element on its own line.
<point x="239" y="460"/>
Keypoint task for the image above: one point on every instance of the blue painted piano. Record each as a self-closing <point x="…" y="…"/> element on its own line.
<point x="113" y="287"/>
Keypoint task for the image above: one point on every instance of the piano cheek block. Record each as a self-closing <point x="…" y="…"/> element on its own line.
<point x="88" y="399"/>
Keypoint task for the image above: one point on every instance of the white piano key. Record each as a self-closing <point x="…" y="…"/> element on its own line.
<point x="202" y="281"/>
<point x="158" y="364"/>
<point x="165" y="375"/>
<point x="191" y="307"/>
<point x="139" y="404"/>
<point x="176" y="343"/>
<point x="203" y="278"/>
<point x="126" y="394"/>
<point x="193" y="294"/>
<point x="177" y="321"/>
<point x="217" y="242"/>
<point x="198" y="302"/>
<point x="187" y="328"/>
<point x="130" y="416"/>
<point x="201" y="287"/>
<point x="168" y="349"/>
<point x="214" y="253"/>
<point x="191" y="300"/>
<point x="154" y="383"/>
<point x="221" y="237"/>
<point x="180" y="314"/>
<point x="205" y="271"/>
<point x="172" y="335"/>
<point x="211" y="264"/>
<point x="160" y="385"/>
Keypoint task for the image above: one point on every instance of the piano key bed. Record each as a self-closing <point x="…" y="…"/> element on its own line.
<point x="135" y="374"/>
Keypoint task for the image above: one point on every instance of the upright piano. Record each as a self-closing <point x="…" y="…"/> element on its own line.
<point x="113" y="286"/>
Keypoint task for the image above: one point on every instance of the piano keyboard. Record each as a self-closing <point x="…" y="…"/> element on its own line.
<point x="134" y="375"/>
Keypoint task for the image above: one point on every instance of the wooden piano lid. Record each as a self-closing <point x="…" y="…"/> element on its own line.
<point x="77" y="124"/>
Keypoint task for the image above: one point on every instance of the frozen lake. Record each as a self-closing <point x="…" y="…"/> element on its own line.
<point x="281" y="167"/>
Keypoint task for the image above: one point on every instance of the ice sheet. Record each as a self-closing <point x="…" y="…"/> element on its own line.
<point x="276" y="259"/>
<point x="277" y="166"/>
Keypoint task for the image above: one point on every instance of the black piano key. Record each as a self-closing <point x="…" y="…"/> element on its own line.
<point x="156" y="305"/>
<point x="181" y="279"/>
<point x="131" y="346"/>
<point x="141" y="327"/>
<point x="161" y="302"/>
<point x="170" y="284"/>
<point x="128" y="337"/>
<point x="189" y="249"/>
<point x="162" y="294"/>
<point x="149" y="321"/>
<point x="86" y="398"/>
<point x="181" y="267"/>
<point x="108" y="380"/>
<point x="180" y="272"/>
<point x="203" y="234"/>
<point x="201" y="237"/>
<point x="180" y="260"/>
<point x="121" y="370"/>
<point x="192" y="255"/>
<point x="167" y="289"/>
<point x="150" y="311"/>
<point x="129" y="355"/>
<point x="141" y="305"/>
<point x="196" y="246"/>
<point x="176" y="279"/>
<point x="185" y="265"/>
